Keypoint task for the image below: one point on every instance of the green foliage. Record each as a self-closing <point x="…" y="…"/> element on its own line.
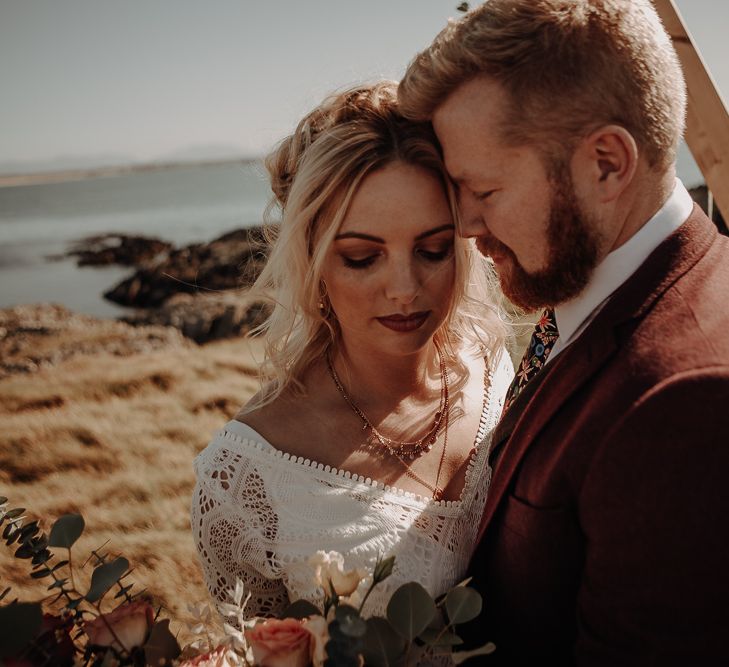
<point x="161" y="645"/>
<point x="27" y="636"/>
<point x="300" y="609"/>
<point x="105" y="576"/>
<point x="66" y="530"/>
<point x="416" y="625"/>
<point x="383" y="647"/>
<point x="462" y="605"/>
<point x="410" y="610"/>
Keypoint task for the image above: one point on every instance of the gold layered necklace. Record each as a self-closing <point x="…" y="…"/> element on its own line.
<point x="402" y="450"/>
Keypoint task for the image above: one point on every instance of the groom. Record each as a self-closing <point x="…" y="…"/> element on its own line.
<point x="605" y="538"/>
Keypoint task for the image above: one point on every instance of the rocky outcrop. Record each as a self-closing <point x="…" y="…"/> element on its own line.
<point x="204" y="317"/>
<point x="41" y="335"/>
<point x="107" y="249"/>
<point x="230" y="262"/>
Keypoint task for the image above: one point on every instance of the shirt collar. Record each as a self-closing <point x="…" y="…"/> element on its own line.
<point x="622" y="262"/>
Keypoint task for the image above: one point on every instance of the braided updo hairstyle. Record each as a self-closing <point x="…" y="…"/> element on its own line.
<point x="314" y="174"/>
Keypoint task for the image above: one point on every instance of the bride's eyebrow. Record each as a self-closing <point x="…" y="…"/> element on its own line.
<point x="435" y="230"/>
<point x="358" y="235"/>
<point x="377" y="239"/>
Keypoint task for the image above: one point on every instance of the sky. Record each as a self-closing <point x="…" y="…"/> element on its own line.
<point x="108" y="81"/>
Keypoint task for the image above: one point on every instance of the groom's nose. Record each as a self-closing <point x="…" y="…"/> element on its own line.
<point x="471" y="223"/>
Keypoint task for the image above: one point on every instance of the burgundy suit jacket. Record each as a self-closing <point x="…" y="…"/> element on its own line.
<point x="605" y="537"/>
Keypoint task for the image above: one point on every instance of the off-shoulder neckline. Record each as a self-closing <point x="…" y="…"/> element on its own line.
<point x="244" y="434"/>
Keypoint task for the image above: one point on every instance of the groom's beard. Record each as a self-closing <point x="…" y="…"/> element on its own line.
<point x="573" y="247"/>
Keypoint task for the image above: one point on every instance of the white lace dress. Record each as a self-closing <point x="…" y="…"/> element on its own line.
<point x="258" y="515"/>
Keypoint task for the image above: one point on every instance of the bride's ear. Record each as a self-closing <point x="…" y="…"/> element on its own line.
<point x="605" y="162"/>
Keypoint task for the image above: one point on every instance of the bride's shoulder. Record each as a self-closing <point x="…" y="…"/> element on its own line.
<point x="285" y="419"/>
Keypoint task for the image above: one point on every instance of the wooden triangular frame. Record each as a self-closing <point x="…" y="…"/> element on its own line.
<point x="707" y="120"/>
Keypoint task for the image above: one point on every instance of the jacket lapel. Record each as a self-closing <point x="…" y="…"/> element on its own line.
<point x="561" y="378"/>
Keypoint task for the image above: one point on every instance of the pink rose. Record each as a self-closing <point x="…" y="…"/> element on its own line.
<point x="220" y="657"/>
<point x="280" y="643"/>
<point x="130" y="624"/>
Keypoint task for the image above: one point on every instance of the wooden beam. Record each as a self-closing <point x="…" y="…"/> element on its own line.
<point x="707" y="121"/>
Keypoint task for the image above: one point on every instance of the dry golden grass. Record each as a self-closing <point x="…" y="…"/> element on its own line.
<point x="114" y="438"/>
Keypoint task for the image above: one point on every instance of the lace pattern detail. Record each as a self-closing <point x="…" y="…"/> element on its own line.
<point x="258" y="514"/>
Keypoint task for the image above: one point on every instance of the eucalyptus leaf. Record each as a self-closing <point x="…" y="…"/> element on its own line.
<point x="4" y="593"/>
<point x="105" y="576"/>
<point x="161" y="645"/>
<point x="40" y="574"/>
<point x="14" y="513"/>
<point x="410" y="610"/>
<point x="462" y="605"/>
<point x="382" y="646"/>
<point x="459" y="657"/>
<point x="66" y="530"/>
<point x="20" y="622"/>
<point x="301" y="609"/>
<point x="28" y="530"/>
<point x="24" y="551"/>
<point x="438" y="638"/>
<point x="3" y="500"/>
<point x="350" y="623"/>
<point x="11" y="532"/>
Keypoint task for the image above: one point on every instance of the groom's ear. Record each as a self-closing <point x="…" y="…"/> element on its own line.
<point x="606" y="161"/>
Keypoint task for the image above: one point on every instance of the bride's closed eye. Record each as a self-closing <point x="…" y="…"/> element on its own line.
<point x="358" y="263"/>
<point x="436" y="254"/>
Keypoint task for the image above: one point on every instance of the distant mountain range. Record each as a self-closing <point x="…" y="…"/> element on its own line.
<point x="61" y="163"/>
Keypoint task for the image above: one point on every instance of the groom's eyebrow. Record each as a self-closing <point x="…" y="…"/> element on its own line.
<point x="377" y="239"/>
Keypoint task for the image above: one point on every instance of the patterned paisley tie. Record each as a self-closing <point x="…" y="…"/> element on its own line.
<point x="541" y="344"/>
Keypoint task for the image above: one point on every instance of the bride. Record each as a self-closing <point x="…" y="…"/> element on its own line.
<point x="384" y="376"/>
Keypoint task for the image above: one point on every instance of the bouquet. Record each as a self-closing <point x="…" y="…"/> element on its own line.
<point x="106" y="625"/>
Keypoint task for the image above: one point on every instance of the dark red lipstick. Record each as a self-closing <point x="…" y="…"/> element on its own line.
<point x="404" y="323"/>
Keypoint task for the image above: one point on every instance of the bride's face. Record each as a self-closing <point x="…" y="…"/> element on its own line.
<point x="389" y="273"/>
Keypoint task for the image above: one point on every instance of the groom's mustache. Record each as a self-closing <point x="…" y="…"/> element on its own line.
<point x="489" y="245"/>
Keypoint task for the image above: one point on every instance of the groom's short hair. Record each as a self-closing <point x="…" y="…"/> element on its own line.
<point x="569" y="66"/>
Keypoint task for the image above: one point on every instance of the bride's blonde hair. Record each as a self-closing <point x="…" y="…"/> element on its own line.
<point x="314" y="174"/>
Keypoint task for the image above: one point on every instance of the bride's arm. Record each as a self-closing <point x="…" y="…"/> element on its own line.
<point x="230" y="546"/>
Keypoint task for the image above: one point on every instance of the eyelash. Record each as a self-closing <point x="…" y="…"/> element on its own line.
<point x="427" y="255"/>
<point x="358" y="263"/>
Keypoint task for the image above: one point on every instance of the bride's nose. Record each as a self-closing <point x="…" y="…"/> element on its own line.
<point x="402" y="282"/>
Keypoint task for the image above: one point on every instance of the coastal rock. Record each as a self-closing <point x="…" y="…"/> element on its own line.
<point x="37" y="336"/>
<point x="123" y="249"/>
<point x="231" y="261"/>
<point x="204" y="317"/>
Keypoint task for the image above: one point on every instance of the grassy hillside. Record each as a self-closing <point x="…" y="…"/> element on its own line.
<point x="114" y="438"/>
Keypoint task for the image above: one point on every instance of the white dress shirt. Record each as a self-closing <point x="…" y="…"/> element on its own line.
<point x="574" y="315"/>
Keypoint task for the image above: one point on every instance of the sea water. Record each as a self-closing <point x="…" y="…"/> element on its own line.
<point x="183" y="205"/>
